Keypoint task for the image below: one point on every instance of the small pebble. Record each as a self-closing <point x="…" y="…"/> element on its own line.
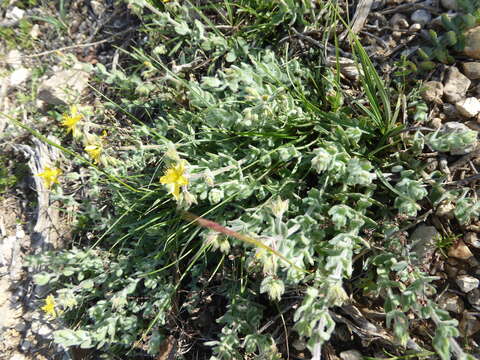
<point x="19" y="76"/>
<point x="432" y="91"/>
<point x="14" y="59"/>
<point x="469" y="324"/>
<point x="35" y="31"/>
<point x="98" y="7"/>
<point x="449" y="4"/>
<point x="423" y="240"/>
<point x="436" y="123"/>
<point x="398" y="20"/>
<point x="460" y="251"/>
<point x="20" y="326"/>
<point x="421" y="16"/>
<point x="445" y="210"/>
<point x="451" y="302"/>
<point x="456" y="85"/>
<point x="351" y="355"/>
<point x="450" y="112"/>
<point x="471" y="70"/>
<point x="44" y="331"/>
<point x="473" y="298"/>
<point x="467" y="283"/>
<point x="471" y="238"/>
<point x="415" y="27"/>
<point x="468" y="107"/>
<point x="26" y="345"/>
<point x="15" y="13"/>
<point x="18" y="356"/>
<point x="472" y="43"/>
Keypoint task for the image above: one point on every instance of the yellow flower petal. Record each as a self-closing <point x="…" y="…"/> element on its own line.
<point x="70" y="120"/>
<point x="182" y="180"/>
<point x="50" y="176"/>
<point x="169" y="177"/>
<point x="176" y="191"/>
<point x="175" y="178"/>
<point x="49" y="306"/>
<point x="94" y="151"/>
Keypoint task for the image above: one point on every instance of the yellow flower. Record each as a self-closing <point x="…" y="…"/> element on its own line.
<point x="49" y="306"/>
<point x="174" y="178"/>
<point x="70" y="121"/>
<point x="50" y="176"/>
<point x="94" y="151"/>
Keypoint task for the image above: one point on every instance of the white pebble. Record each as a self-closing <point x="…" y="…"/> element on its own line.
<point x="467" y="283"/>
<point x="421" y="16"/>
<point x="468" y="107"/>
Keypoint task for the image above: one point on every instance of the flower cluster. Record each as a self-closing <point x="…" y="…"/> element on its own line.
<point x="49" y="306"/>
<point x="71" y="119"/>
<point x="93" y="145"/>
<point x="50" y="176"/>
<point x="175" y="178"/>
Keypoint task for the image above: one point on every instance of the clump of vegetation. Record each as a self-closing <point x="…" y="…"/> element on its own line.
<point x="444" y="45"/>
<point x="18" y="37"/>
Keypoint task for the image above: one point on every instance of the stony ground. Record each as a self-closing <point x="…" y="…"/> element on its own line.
<point x="388" y="29"/>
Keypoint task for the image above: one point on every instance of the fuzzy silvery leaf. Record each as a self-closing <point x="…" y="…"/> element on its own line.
<point x="412" y="189"/>
<point x="354" y="134"/>
<point x="215" y="196"/>
<point x="400" y="325"/>
<point x="452" y="140"/>
<point x="322" y="160"/>
<point x="209" y="81"/>
<point x="406" y="206"/>
<point x="273" y="287"/>
<point x="68" y="338"/>
<point x="359" y="172"/>
<point x="466" y="209"/>
<point x="344" y="216"/>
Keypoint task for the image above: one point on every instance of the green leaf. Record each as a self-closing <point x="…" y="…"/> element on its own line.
<point x="69" y="338"/>
<point x="42" y="278"/>
<point x="87" y="284"/>
<point x="182" y="28"/>
<point x="231" y="57"/>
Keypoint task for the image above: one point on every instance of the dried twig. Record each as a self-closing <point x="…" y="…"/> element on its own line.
<point x="377" y="38"/>
<point x="409" y="8"/>
<point x="465" y="159"/>
<point x="80" y="45"/>
<point x="465" y="181"/>
<point x="361" y="14"/>
<point x="318" y="43"/>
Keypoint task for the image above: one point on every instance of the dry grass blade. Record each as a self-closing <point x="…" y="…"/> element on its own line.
<point x="209" y="224"/>
<point x="360" y="17"/>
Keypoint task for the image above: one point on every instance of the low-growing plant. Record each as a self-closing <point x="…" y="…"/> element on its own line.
<point x="18" y="36"/>
<point x="444" y="45"/>
<point x="451" y="140"/>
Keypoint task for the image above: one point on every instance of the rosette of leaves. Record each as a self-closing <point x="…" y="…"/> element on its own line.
<point x="452" y="40"/>
<point x="456" y="139"/>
